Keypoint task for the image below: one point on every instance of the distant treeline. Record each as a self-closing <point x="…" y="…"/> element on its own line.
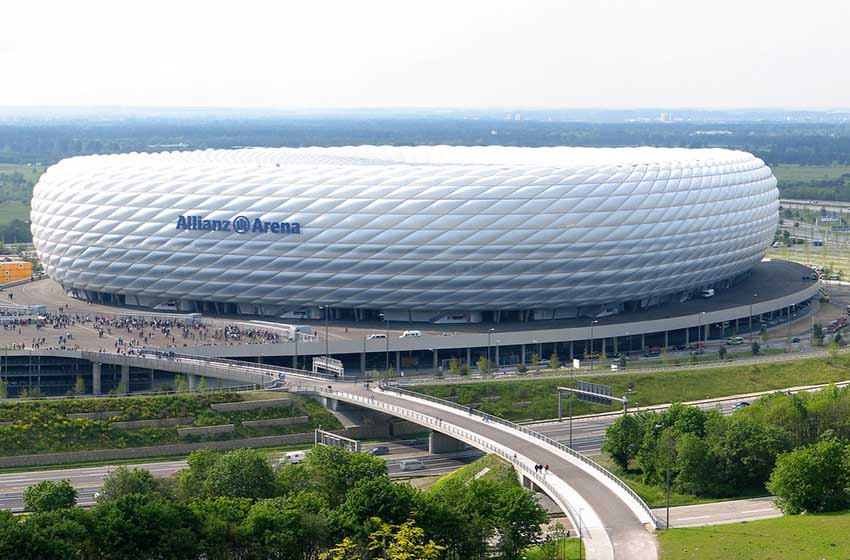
<point x="775" y="142"/>
<point x="826" y="189"/>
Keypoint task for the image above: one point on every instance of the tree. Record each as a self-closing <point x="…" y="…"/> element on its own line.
<point x="517" y="519"/>
<point x="191" y="480"/>
<point x="202" y="384"/>
<point x="535" y="359"/>
<point x="123" y="482"/>
<point x="403" y="542"/>
<point x="554" y="361"/>
<point x="274" y="527"/>
<point x="375" y="497"/>
<point x="180" y="383"/>
<point x="483" y="365"/>
<point x="4" y="389"/>
<point x="623" y="440"/>
<point x="241" y="473"/>
<point x="756" y="348"/>
<point x="334" y="471"/>
<point x="833" y="352"/>
<point x="23" y="393"/>
<point x="80" y="386"/>
<point x="454" y="365"/>
<point x="812" y="479"/>
<point x="220" y="524"/>
<point x="345" y="550"/>
<point x="622" y="362"/>
<point x="49" y="495"/>
<point x="721" y="352"/>
<point x="818" y="334"/>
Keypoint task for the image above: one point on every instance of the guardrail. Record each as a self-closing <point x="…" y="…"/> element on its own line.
<point x="496" y="420"/>
<point x="468" y="436"/>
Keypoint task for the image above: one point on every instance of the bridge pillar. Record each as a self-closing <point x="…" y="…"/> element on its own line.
<point x="522" y="354"/>
<point x="125" y="378"/>
<point x="362" y="362"/>
<point x="687" y="336"/>
<point x="95" y="378"/>
<point x="603" y="347"/>
<point x="527" y="482"/>
<point x="436" y="360"/>
<point x="441" y="443"/>
<point x="397" y="361"/>
<point x="192" y="380"/>
<point x="642" y="342"/>
<point x="469" y="357"/>
<point x="666" y="339"/>
<point x="572" y="351"/>
<point x="497" y="356"/>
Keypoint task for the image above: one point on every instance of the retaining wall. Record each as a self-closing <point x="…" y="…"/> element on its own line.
<point x="249" y="405"/>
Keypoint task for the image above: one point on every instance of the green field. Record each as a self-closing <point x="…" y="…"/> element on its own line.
<point x="497" y="469"/>
<point x="821" y="537"/>
<point x="13" y="210"/>
<point x="804" y="173"/>
<point x="539" y="397"/>
<point x="30" y="172"/>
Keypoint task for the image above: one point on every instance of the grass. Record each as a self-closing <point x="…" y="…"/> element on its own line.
<point x="647" y="388"/>
<point x="14" y="210"/>
<point x="30" y="172"/>
<point x="568" y="550"/>
<point x="804" y="173"/>
<point x="821" y="536"/>
<point x="500" y="470"/>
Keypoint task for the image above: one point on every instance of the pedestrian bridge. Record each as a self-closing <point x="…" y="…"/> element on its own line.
<point x="613" y="520"/>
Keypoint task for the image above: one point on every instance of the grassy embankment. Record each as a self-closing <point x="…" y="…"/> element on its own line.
<point x="537" y="399"/>
<point x="43" y="427"/>
<point x="820" y="536"/>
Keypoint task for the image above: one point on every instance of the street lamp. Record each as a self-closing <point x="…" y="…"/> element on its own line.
<point x="667" y="522"/>
<point x="580" y="544"/>
<point x="387" y="367"/>
<point x="751" y="317"/>
<point x="591" y="343"/>
<point x="699" y="333"/>
<point x="489" y="332"/>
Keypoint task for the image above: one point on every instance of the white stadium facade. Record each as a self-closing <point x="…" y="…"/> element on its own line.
<point x="432" y="233"/>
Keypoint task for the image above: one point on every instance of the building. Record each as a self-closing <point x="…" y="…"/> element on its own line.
<point x="433" y="233"/>
<point x="12" y="270"/>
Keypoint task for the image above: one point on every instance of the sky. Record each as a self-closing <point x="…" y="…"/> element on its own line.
<point x="406" y="54"/>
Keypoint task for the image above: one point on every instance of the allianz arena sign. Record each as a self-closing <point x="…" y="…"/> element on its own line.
<point x="239" y="224"/>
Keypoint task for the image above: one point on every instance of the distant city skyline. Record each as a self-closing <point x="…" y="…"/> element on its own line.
<point x="382" y="54"/>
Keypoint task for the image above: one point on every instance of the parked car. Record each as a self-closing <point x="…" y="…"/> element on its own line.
<point x="379" y="450"/>
<point x="678" y="347"/>
<point x="740" y="405"/>
<point x="411" y="465"/>
<point x="651" y="354"/>
<point x="735" y="340"/>
<point x="697" y="352"/>
<point x="410" y="334"/>
<point x="376" y="336"/>
<point x="795" y="339"/>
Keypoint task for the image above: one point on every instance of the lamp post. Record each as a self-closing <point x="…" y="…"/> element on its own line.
<point x="580" y="544"/>
<point x="751" y="318"/>
<point x="489" y="332"/>
<point x="667" y="445"/>
<point x="700" y="341"/>
<point x="591" y="343"/>
<point x="387" y="368"/>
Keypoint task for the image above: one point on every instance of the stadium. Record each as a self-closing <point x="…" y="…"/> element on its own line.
<point x="434" y="233"/>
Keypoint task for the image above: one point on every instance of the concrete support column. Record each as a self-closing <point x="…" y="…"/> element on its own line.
<point x="687" y="337"/>
<point x="522" y="354"/>
<point x="706" y="327"/>
<point x="294" y="362"/>
<point x="363" y="362"/>
<point x="615" y="344"/>
<point x="642" y="342"/>
<point x="603" y="347"/>
<point x="572" y="354"/>
<point x="496" y="357"/>
<point x="192" y="380"/>
<point x="436" y="360"/>
<point x="95" y="378"/>
<point x="469" y="357"/>
<point x="666" y="339"/>
<point x="441" y="443"/>
<point x="397" y="361"/>
<point x="125" y="378"/>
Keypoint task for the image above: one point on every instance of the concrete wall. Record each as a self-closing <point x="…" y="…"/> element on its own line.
<point x="292" y="421"/>
<point x="250" y="405"/>
<point x="181" y="449"/>
<point x="206" y="430"/>
<point x="102" y="415"/>
<point x="157" y="423"/>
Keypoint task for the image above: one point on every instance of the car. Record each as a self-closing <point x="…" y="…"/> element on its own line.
<point x="410" y="334"/>
<point x="795" y="339"/>
<point x="411" y="465"/>
<point x="295" y="457"/>
<point x="651" y="354"/>
<point x="379" y="450"/>
<point x="678" y="347"/>
<point x="740" y="405"/>
<point x="697" y="352"/>
<point x="376" y="336"/>
<point x="735" y="340"/>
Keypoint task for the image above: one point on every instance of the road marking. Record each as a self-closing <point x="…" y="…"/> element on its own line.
<point x="773" y="510"/>
<point x="694" y="517"/>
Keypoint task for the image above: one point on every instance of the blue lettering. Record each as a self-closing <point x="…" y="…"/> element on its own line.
<point x="181" y="222"/>
<point x="256" y="225"/>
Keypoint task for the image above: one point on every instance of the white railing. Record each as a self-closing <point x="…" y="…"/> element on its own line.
<point x="524" y="429"/>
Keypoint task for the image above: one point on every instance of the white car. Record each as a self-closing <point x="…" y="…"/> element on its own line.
<point x="410" y="334"/>
<point x="411" y="465"/>
<point x="376" y="336"/>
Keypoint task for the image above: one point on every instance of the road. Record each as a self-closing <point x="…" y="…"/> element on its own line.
<point x="720" y="513"/>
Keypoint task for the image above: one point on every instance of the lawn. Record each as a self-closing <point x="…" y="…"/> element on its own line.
<point x="13" y="210"/>
<point x="496" y="469"/>
<point x="804" y="173"/>
<point x="30" y="172"/>
<point x="822" y="537"/>
<point x="567" y="550"/>
<point x="537" y="399"/>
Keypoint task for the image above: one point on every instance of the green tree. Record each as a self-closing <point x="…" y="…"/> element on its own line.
<point x="180" y="383"/>
<point x="483" y="364"/>
<point x="4" y="389"/>
<point x="375" y="497"/>
<point x="454" y="365"/>
<point x="622" y="362"/>
<point x="818" y="334"/>
<point x="123" y="482"/>
<point x="535" y="359"/>
<point x="80" y="385"/>
<point x="403" y="542"/>
<point x="23" y="393"/>
<point x="345" y="550"/>
<point x="220" y="525"/>
<point x="554" y="361"/>
<point x="49" y="495"/>
<point x="334" y="471"/>
<point x="756" y="348"/>
<point x="241" y="473"/>
<point x="274" y="528"/>
<point x="833" y="352"/>
<point x="191" y="480"/>
<point x="812" y="479"/>
<point x="765" y="337"/>
<point x="202" y="384"/>
<point x="623" y="440"/>
<point x="721" y="352"/>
